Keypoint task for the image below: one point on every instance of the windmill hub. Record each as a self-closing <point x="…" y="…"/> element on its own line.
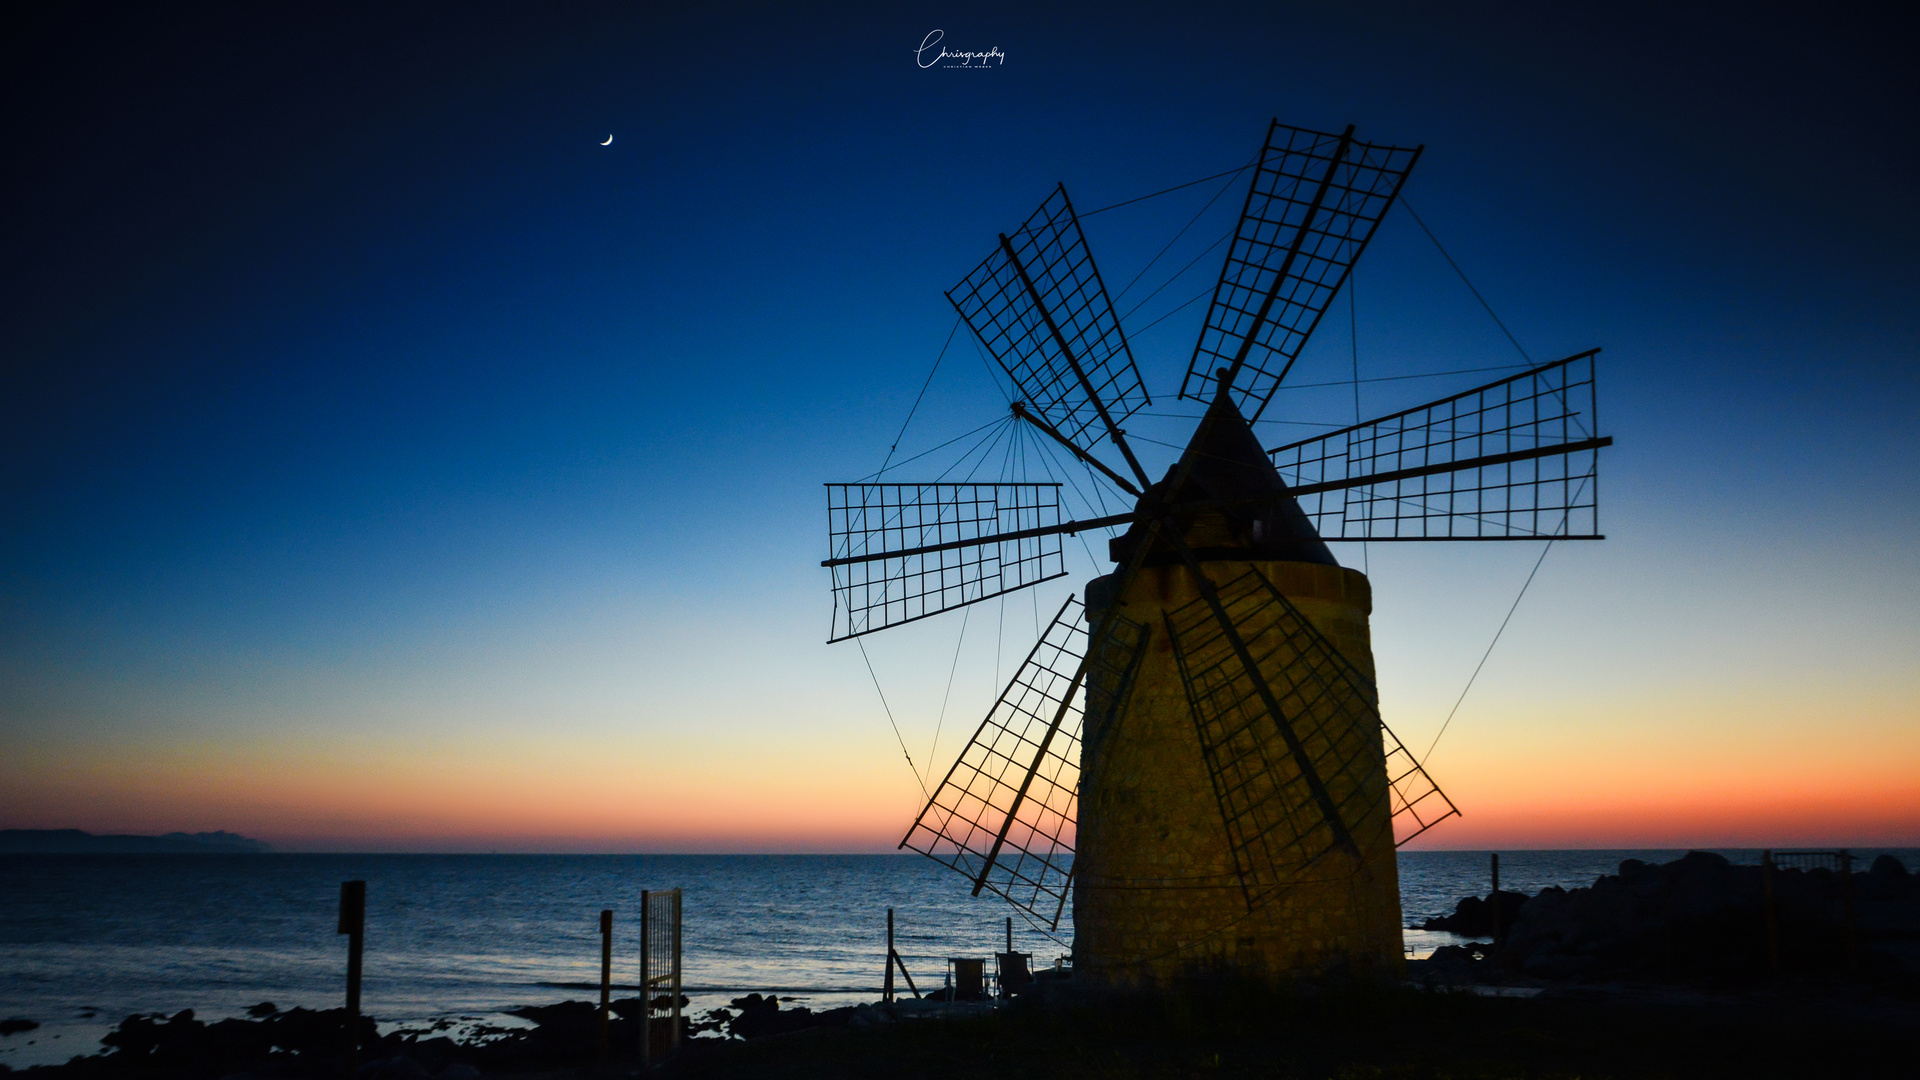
<point x="1240" y="507"/>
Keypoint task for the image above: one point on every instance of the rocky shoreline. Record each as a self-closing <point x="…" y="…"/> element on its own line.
<point x="1696" y="918"/>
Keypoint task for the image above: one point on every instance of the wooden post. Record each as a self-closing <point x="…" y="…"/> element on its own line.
<point x="1773" y="911"/>
<point x="646" y="979"/>
<point x="1498" y="923"/>
<point x="1846" y="907"/>
<point x="675" y="1020"/>
<point x="886" y="984"/>
<point x="353" y="923"/>
<point x="606" y="978"/>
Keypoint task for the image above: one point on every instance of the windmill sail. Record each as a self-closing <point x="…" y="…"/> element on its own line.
<point x="1038" y="305"/>
<point x="1004" y="814"/>
<point x="1516" y="459"/>
<point x="1290" y="784"/>
<point x="906" y="551"/>
<point x="1313" y="206"/>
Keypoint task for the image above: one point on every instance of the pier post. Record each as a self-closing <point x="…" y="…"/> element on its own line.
<point x="606" y="977"/>
<point x="1499" y="924"/>
<point x="353" y="923"/>
<point x="1846" y="908"/>
<point x="646" y="979"/>
<point x="675" y="1020"/>
<point x="1773" y="911"/>
<point x="886" y="984"/>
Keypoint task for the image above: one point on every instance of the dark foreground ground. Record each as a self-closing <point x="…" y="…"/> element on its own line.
<point x="1356" y="1033"/>
<point x="1332" y="1031"/>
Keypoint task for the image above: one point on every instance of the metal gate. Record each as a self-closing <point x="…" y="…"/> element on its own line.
<point x="659" y="972"/>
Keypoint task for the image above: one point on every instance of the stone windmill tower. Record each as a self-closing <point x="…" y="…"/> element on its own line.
<point x="1195" y="756"/>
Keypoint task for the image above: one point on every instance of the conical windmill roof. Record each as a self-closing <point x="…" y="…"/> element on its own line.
<point x="1227" y="463"/>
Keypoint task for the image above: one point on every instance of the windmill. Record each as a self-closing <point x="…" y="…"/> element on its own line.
<point x="1194" y="753"/>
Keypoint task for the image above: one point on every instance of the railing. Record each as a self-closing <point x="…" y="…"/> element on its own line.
<point x="1840" y="862"/>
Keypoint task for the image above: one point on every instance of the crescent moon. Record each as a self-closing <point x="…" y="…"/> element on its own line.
<point x="609" y="141"/>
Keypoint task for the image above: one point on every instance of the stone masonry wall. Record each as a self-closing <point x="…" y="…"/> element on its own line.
<point x="1156" y="896"/>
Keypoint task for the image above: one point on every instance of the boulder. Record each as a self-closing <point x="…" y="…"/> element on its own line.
<point x="1474" y="916"/>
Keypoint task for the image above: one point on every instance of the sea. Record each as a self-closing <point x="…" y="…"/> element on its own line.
<point x="86" y="940"/>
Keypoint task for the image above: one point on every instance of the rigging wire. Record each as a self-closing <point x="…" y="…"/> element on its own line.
<point x="1167" y="191"/>
<point x="992" y="376"/>
<point x="1094" y="509"/>
<point x="984" y="449"/>
<point x="1485" y="655"/>
<point x="1463" y="278"/>
<point x="918" y="398"/>
<point x="1183" y="231"/>
<point x="1224" y="237"/>
<point x="1503" y="628"/>
<point x="1353" y="339"/>
<point x="1397" y="378"/>
<point x="911" y="767"/>
<point x="1158" y="442"/>
<point x="999" y="642"/>
<point x="1208" y="291"/>
<point x="942" y="446"/>
<point x="933" y="751"/>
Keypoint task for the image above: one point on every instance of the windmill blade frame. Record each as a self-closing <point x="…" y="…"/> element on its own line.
<point x="1514" y="459"/>
<point x="1290" y="781"/>
<point x="1312" y="207"/>
<point x="1004" y="813"/>
<point x="1041" y="309"/>
<point x="904" y="552"/>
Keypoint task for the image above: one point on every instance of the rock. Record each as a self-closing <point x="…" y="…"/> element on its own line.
<point x="14" y="1025"/>
<point x="1476" y="917"/>
<point x="1450" y="965"/>
<point x="262" y="1010"/>
<point x="760" y="1016"/>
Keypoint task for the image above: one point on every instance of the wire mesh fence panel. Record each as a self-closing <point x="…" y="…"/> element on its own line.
<point x="1835" y="861"/>
<point x="1314" y="203"/>
<point x="660" y="975"/>
<point x="1516" y="459"/>
<point x="902" y="552"/>
<point x="1288" y="784"/>
<point x="1038" y="305"/>
<point x="1004" y="815"/>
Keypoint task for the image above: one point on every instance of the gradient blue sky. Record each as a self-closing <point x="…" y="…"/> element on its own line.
<point x="388" y="464"/>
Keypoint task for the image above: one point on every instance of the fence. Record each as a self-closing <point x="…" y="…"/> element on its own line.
<point x="1839" y="862"/>
<point x="659" y="970"/>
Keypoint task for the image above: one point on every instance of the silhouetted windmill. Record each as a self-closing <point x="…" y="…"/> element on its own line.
<point x="1197" y="754"/>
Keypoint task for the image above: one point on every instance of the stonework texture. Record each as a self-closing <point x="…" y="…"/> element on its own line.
<point x="1156" y="896"/>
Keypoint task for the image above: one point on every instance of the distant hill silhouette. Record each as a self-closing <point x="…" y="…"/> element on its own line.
<point x="76" y="842"/>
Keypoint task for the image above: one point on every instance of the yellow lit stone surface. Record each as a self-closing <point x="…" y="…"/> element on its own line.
<point x="1155" y="895"/>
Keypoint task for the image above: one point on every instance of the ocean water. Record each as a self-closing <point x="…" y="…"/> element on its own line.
<point x="88" y="939"/>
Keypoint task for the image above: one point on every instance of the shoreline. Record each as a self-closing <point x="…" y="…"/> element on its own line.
<point x="1414" y="1028"/>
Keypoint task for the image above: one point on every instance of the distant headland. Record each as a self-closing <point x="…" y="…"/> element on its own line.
<point x="77" y="842"/>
